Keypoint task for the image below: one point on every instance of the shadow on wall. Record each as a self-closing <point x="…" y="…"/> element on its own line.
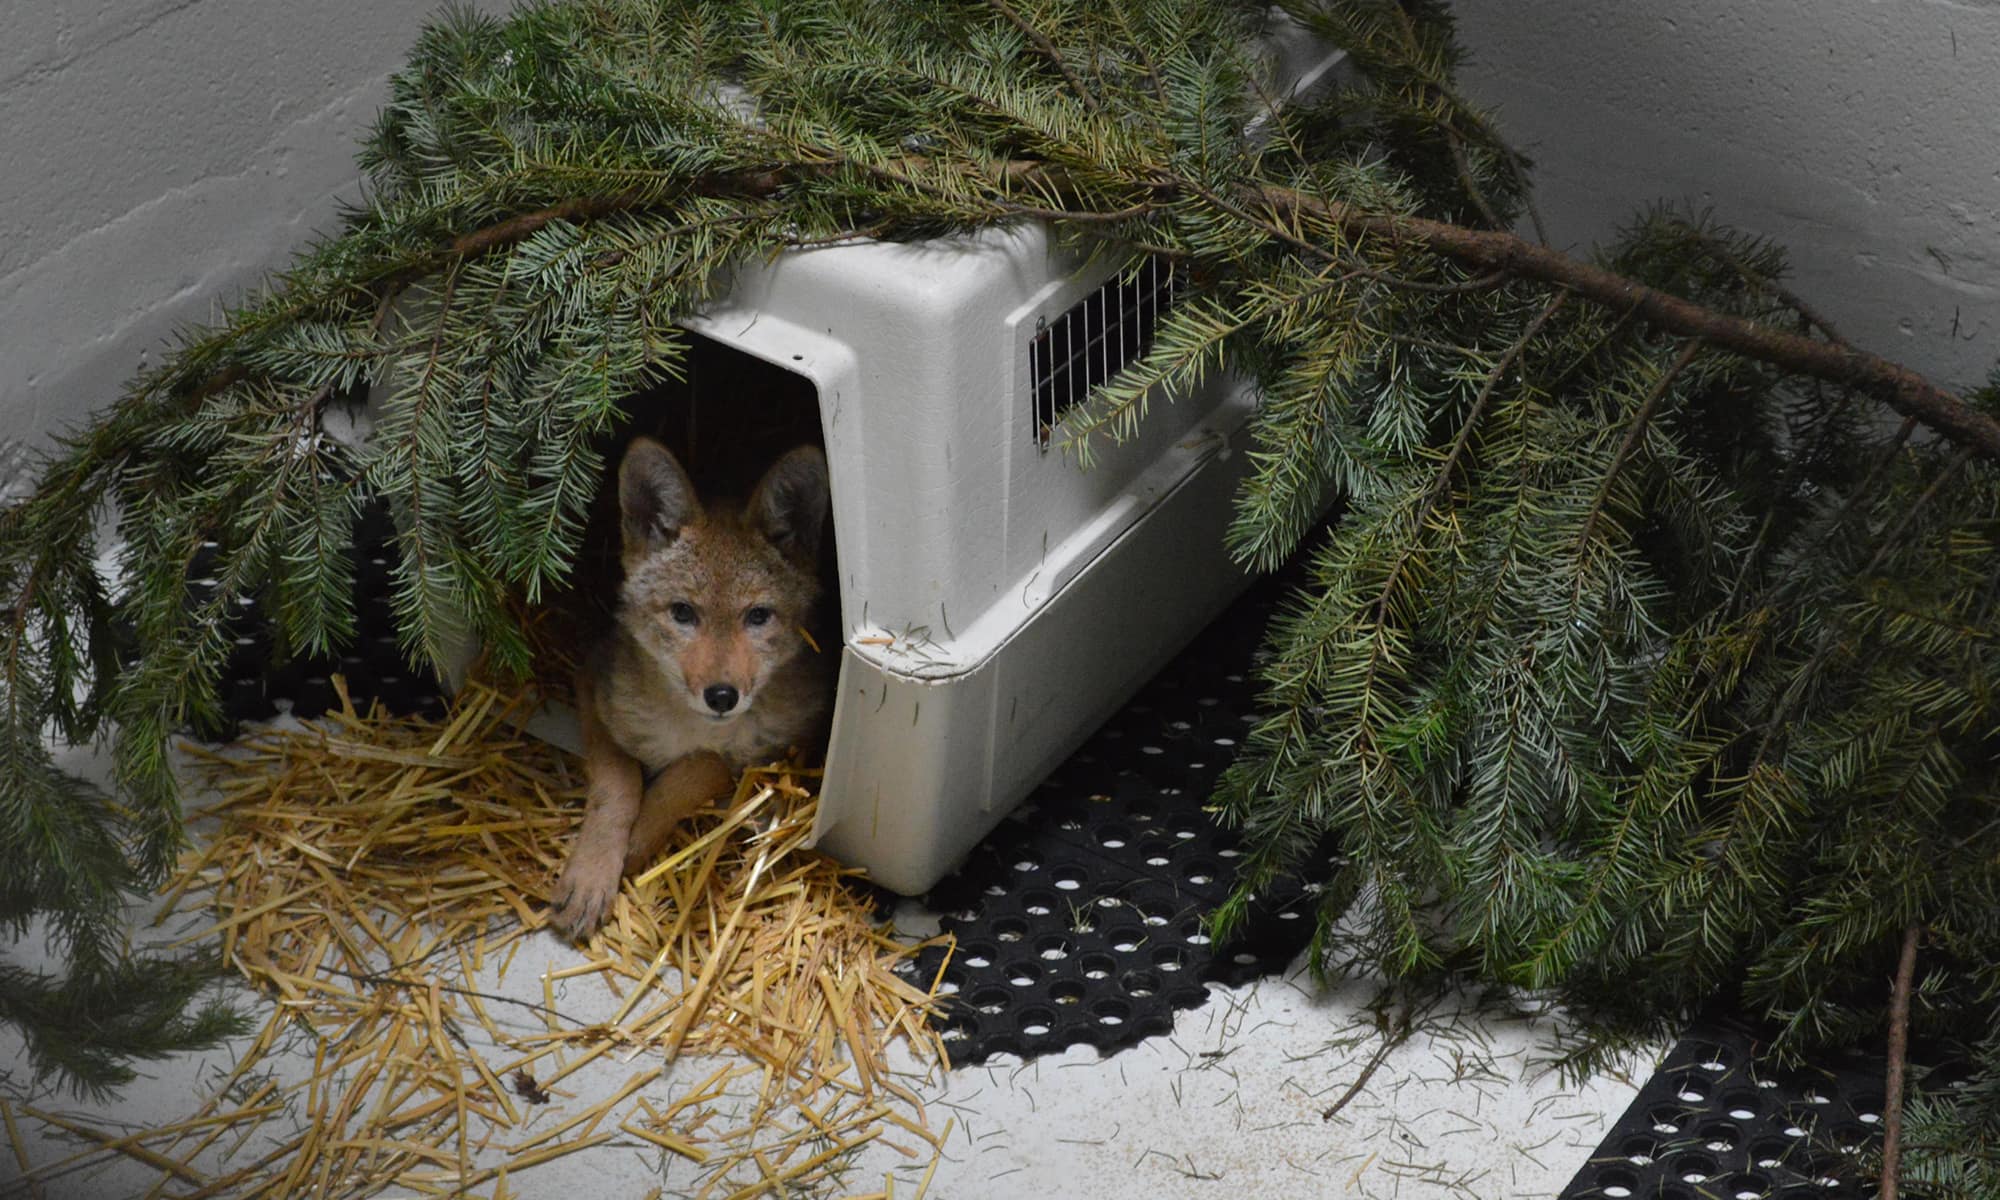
<point x="1856" y="133"/>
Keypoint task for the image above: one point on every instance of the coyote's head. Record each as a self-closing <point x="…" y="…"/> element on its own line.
<point x="717" y="599"/>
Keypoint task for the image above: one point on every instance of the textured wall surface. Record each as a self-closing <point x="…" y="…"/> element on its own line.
<point x="1863" y="134"/>
<point x="163" y="156"/>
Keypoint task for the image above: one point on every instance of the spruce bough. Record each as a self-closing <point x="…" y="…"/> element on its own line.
<point x="1649" y="657"/>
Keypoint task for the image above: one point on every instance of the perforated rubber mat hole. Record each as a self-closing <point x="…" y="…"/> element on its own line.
<point x="1717" y="1122"/>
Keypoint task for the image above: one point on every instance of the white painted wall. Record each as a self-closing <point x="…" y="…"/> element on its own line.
<point x="158" y="157"/>
<point x="1863" y="134"/>
<point x="161" y="156"/>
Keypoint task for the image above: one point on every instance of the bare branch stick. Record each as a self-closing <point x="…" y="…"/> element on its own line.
<point x="1635" y="431"/>
<point x="1049" y="51"/>
<point x="1899" y="1050"/>
<point x="1768" y="286"/>
<point x="1391" y="1038"/>
<point x="1896" y="385"/>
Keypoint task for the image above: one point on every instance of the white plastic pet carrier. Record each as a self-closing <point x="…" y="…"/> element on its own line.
<point x="997" y="601"/>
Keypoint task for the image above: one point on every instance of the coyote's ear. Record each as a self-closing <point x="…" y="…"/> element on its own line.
<point x="655" y="498"/>
<point x="790" y="503"/>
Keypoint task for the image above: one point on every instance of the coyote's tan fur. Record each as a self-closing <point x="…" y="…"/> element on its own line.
<point x="705" y="669"/>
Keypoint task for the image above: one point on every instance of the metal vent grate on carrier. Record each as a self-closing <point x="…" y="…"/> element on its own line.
<point x="1096" y="339"/>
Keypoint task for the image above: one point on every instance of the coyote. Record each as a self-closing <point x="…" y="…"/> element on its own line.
<point x="706" y="668"/>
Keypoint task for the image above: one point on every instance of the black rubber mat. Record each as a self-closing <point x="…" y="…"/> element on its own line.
<point x="256" y="687"/>
<point x="1080" y="919"/>
<point x="1718" y="1122"/>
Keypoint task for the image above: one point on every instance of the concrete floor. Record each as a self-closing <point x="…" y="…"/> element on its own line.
<point x="1231" y="1102"/>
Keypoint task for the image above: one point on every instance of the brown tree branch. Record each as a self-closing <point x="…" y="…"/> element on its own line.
<point x="1899" y="1050"/>
<point x="1635" y="431"/>
<point x="1757" y="282"/>
<point x="1495" y="250"/>
<point x="516" y="228"/>
<point x="1392" y="1037"/>
<point x="1292" y="212"/>
<point x="1049" y="51"/>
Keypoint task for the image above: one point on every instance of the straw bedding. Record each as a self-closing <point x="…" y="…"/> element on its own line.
<point x="380" y="877"/>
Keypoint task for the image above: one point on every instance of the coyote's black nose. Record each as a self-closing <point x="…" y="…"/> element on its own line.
<point x="720" y="697"/>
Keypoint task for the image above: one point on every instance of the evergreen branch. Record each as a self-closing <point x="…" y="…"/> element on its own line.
<point x="524" y="225"/>
<point x="1634" y="431"/>
<point x="1442" y="483"/>
<point x="1455" y="142"/>
<point x="87" y="1024"/>
<point x="1761" y="282"/>
<point x="1412" y="71"/>
<point x="1651" y="798"/>
<point x="1049" y="51"/>
<point x="1379" y="642"/>
<point x="1801" y="682"/>
<point x="1473" y="191"/>
<point x="1392" y="1037"/>
<point x="1903" y="389"/>
<point x="1899" y="1049"/>
<point x="426" y="584"/>
<point x="1488" y="250"/>
<point x="1858" y="498"/>
<point x="1154" y="83"/>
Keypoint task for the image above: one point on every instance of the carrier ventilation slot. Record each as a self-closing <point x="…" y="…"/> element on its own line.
<point x="1096" y="339"/>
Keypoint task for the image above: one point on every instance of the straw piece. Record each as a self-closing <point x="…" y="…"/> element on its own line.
<point x="924" y="1184"/>
<point x="557" y="1151"/>
<point x="594" y="1113"/>
<point x="20" y="1149"/>
<point x="820" y="1159"/>
<point x="671" y="1144"/>
<point x="129" y="1147"/>
<point x="364" y="873"/>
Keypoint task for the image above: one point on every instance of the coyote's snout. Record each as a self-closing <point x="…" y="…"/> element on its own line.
<point x="706" y="667"/>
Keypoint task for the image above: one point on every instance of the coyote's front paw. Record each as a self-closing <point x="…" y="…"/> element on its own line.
<point x="584" y="894"/>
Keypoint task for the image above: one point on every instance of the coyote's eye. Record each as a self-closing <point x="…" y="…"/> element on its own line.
<point x="756" y="615"/>
<point x="682" y="612"/>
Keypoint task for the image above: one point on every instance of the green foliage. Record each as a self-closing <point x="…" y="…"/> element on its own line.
<point x="1952" y="1130"/>
<point x="87" y="1027"/>
<point x="1628" y="659"/>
